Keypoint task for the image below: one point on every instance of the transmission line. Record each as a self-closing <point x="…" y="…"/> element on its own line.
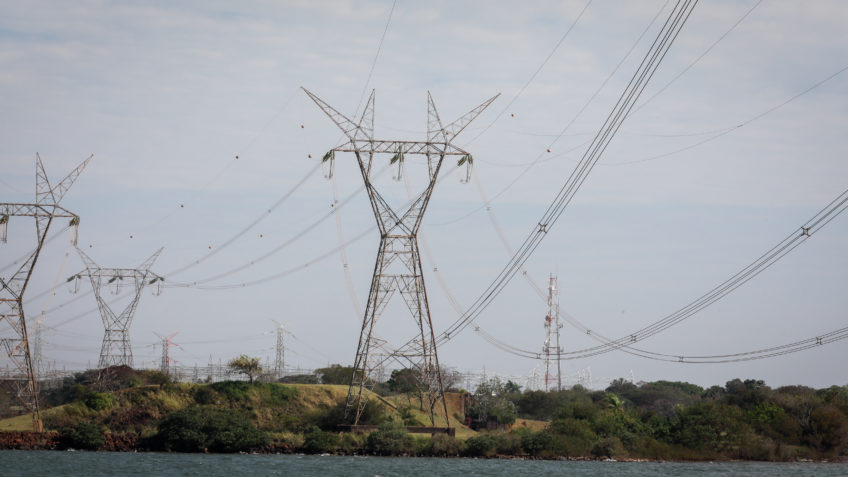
<point x="766" y="260"/>
<point x="646" y="69"/>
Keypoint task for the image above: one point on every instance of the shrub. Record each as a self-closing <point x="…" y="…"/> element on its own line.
<point x="389" y="439"/>
<point x="198" y="429"/>
<point x="234" y="391"/>
<point x="441" y="445"/>
<point x="508" y="443"/>
<point x="99" y="401"/>
<point x="648" y="447"/>
<point x="575" y="436"/>
<point x="479" y="446"/>
<point x="301" y="379"/>
<point x="316" y="441"/>
<point x="608" y="447"/>
<point x="373" y="414"/>
<point x="85" y="435"/>
<point x="156" y="377"/>
<point x="204" y="395"/>
<point x="350" y="442"/>
<point x="538" y="443"/>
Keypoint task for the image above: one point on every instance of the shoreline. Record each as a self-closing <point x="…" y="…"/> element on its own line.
<point x="51" y="441"/>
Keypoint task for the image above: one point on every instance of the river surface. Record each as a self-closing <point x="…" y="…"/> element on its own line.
<point x="59" y="463"/>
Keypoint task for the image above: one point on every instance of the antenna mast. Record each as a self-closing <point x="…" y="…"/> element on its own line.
<point x="552" y="347"/>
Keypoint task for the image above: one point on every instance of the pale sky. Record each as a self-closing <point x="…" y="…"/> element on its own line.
<point x="167" y="94"/>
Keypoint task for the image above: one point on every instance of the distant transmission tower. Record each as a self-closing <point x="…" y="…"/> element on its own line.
<point x="167" y="343"/>
<point x="398" y="266"/>
<point x="280" y="358"/>
<point x="45" y="209"/>
<point x="37" y="347"/>
<point x="116" y="349"/>
<point x="552" y="347"/>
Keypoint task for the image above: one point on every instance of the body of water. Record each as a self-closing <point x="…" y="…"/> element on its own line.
<point x="59" y="463"/>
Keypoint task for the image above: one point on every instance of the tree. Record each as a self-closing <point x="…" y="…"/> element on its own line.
<point x="512" y="388"/>
<point x="335" y="374"/>
<point x="490" y="400"/>
<point x="245" y="365"/>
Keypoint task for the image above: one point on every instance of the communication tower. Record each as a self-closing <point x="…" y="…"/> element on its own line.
<point x="552" y="348"/>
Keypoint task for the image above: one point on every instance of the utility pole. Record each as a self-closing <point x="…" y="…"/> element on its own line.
<point x="116" y="349"/>
<point x="552" y="327"/>
<point x="45" y="209"/>
<point x="398" y="265"/>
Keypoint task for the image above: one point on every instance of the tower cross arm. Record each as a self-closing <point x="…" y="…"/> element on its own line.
<point x="34" y="210"/>
<point x="116" y="272"/>
<point x="407" y="147"/>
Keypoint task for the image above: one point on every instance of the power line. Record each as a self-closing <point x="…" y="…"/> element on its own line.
<point x="730" y="129"/>
<point x="646" y="69"/>
<point x="762" y="263"/>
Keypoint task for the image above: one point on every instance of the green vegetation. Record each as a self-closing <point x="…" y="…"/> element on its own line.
<point x="84" y="435"/>
<point x="334" y="374"/>
<point x="492" y="404"/>
<point x="245" y="365"/>
<point x="121" y="409"/>
<point x="207" y="429"/>
<point x="390" y="439"/>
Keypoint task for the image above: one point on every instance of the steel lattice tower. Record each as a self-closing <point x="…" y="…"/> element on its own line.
<point x="166" y="352"/>
<point x="280" y="357"/>
<point x="552" y="327"/>
<point x="398" y="264"/>
<point x="116" y="349"/>
<point x="45" y="209"/>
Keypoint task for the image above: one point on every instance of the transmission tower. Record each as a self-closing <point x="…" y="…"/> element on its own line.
<point x="552" y="347"/>
<point x="167" y="343"/>
<point x="280" y="358"/>
<point x="398" y="265"/>
<point x="45" y="209"/>
<point x="116" y="349"/>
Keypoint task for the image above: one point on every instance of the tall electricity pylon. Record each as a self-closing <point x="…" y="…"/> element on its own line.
<point x="116" y="349"/>
<point x="45" y="209"/>
<point x="398" y="265"/>
<point x="552" y="327"/>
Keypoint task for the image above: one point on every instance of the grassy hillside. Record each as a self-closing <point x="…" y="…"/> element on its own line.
<point x="272" y="407"/>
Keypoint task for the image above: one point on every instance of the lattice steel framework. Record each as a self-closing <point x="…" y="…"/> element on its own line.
<point x="116" y="349"/>
<point x="398" y="264"/>
<point x="167" y="343"/>
<point x="280" y="357"/>
<point x="552" y="348"/>
<point x="45" y="210"/>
